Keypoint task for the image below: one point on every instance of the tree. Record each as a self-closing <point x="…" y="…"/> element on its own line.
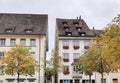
<point x="56" y="64"/>
<point x="92" y="60"/>
<point x="111" y="39"/>
<point x="19" y="61"/>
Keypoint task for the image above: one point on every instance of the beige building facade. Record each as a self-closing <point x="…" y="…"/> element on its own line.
<point x="29" y="30"/>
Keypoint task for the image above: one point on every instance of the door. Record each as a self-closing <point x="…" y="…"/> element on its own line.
<point x="76" y="81"/>
<point x="115" y="80"/>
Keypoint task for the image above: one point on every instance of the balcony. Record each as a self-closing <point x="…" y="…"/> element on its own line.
<point x="66" y="72"/>
<point x="75" y="60"/>
<point x="76" y="74"/>
<point x="66" y="60"/>
<point x="65" y="47"/>
<point x="76" y="47"/>
<point x="86" y="47"/>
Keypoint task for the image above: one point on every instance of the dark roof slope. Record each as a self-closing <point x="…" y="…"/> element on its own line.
<point x="30" y="24"/>
<point x="75" y="27"/>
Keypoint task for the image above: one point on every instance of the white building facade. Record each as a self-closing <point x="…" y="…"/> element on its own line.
<point x="30" y="30"/>
<point x="72" y="39"/>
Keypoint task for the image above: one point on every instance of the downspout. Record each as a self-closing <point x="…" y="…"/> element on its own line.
<point x="39" y="59"/>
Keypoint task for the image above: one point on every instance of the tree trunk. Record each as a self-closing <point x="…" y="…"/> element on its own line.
<point x="18" y="77"/>
<point x="102" y="78"/>
<point x="55" y="78"/>
<point x="90" y="79"/>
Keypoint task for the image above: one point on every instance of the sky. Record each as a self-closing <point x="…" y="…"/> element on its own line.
<point x="96" y="13"/>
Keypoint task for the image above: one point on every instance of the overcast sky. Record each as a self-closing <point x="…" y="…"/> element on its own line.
<point x="97" y="13"/>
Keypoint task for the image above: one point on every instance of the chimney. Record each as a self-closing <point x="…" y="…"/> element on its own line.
<point x="93" y="28"/>
<point x="79" y="17"/>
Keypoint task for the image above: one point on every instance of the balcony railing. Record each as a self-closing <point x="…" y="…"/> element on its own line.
<point x="76" y="74"/>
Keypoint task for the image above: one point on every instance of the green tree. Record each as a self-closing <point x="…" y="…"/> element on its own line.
<point x="19" y="61"/>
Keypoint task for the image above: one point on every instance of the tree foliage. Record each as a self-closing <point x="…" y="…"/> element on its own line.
<point x="19" y="61"/>
<point x="111" y="39"/>
<point x="55" y="65"/>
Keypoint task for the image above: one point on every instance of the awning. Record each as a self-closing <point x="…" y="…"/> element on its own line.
<point x="31" y="78"/>
<point x="10" y="79"/>
<point x="21" y="79"/>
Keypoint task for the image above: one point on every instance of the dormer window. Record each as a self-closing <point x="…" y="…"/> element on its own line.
<point x="8" y="30"/>
<point x="82" y="34"/>
<point x="76" y="23"/>
<point x="69" y="33"/>
<point x="78" y="28"/>
<point x="66" y="28"/>
<point x="65" y="23"/>
<point x="28" y="30"/>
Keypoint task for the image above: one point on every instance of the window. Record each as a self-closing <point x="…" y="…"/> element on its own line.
<point x="76" y="23"/>
<point x="82" y="34"/>
<point x="76" y="55"/>
<point x="2" y="42"/>
<point x="75" y="43"/>
<point x="66" y="70"/>
<point x="69" y="33"/>
<point x="1" y="54"/>
<point x="28" y="30"/>
<point x="66" y="81"/>
<point x="8" y="30"/>
<point x="86" y="44"/>
<point x="32" y="42"/>
<point x="76" y="68"/>
<point x="23" y="42"/>
<point x="65" y="23"/>
<point x="65" y="55"/>
<point x="79" y="28"/>
<point x="65" y="45"/>
<point x="32" y="54"/>
<point x="13" y="42"/>
<point x="66" y="28"/>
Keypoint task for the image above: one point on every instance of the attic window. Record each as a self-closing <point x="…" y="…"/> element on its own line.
<point x="65" y="23"/>
<point x="82" y="34"/>
<point x="76" y="23"/>
<point x="28" y="30"/>
<point x="66" y="28"/>
<point x="79" y="28"/>
<point x="8" y="30"/>
<point x="69" y="33"/>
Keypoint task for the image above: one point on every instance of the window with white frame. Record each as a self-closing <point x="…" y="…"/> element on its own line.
<point x="76" y="55"/>
<point x="1" y="54"/>
<point x="12" y="42"/>
<point x="32" y="42"/>
<point x="2" y="42"/>
<point x="75" y="43"/>
<point x="66" y="68"/>
<point x="86" y="43"/>
<point x="23" y="42"/>
<point x="76" y="67"/>
<point x="65" y="43"/>
<point x="65" y="55"/>
<point x="32" y="54"/>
